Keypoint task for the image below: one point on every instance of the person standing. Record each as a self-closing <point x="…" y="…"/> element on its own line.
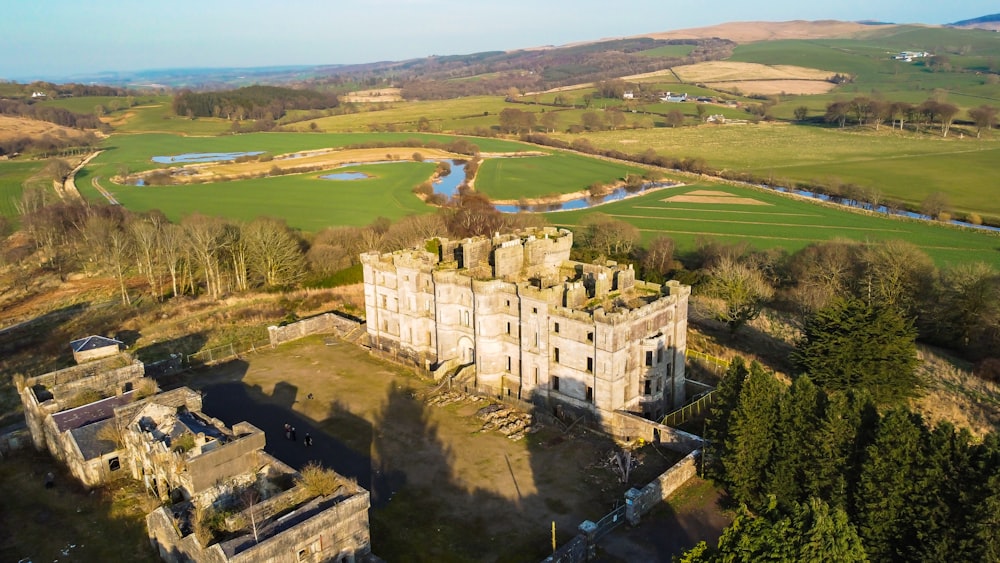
<point x="292" y="434"/>
<point x="308" y="440"/>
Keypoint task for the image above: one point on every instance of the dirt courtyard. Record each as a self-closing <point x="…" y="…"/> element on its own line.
<point x="443" y="489"/>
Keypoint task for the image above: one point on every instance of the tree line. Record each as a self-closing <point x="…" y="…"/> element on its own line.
<point x="214" y="257"/>
<point x="864" y="110"/>
<point x="250" y="102"/>
<point x="827" y="476"/>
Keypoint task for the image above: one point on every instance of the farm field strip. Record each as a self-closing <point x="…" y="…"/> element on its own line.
<point x="557" y="173"/>
<point x="701" y="210"/>
<point x="811" y="226"/>
<point x="821" y="222"/>
<point x="304" y="201"/>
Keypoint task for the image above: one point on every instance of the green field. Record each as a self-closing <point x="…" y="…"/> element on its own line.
<point x="532" y="177"/>
<point x="784" y="222"/>
<point x="13" y="175"/>
<point x="443" y="115"/>
<point x="137" y="150"/>
<point x="669" y="51"/>
<point x="305" y="201"/>
<point x="903" y="166"/>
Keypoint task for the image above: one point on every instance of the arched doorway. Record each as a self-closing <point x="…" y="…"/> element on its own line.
<point x="466" y="350"/>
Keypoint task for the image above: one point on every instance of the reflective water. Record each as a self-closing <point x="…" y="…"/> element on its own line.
<point x="867" y="206"/>
<point x="188" y="158"/>
<point x="345" y="176"/>
<point x="585" y="201"/>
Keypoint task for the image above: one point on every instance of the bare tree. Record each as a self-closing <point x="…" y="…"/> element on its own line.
<point x="895" y="273"/>
<point x="609" y="236"/>
<point x="206" y="238"/>
<point x="549" y="120"/>
<point x="659" y="255"/>
<point x="275" y="256"/>
<point x="743" y="289"/>
<point x="145" y="234"/>
<point x="112" y="247"/>
<point x="172" y="250"/>
<point x="935" y="204"/>
<point x="984" y="116"/>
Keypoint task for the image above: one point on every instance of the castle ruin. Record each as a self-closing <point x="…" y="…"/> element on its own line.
<point x="534" y="324"/>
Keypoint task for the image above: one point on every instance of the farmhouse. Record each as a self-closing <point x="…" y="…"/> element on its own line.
<point x="674" y="97"/>
<point x="523" y="320"/>
<point x="104" y="419"/>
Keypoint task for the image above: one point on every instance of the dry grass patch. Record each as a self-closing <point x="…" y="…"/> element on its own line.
<point x="374" y="96"/>
<point x="773" y="87"/>
<point x="713" y="197"/>
<point x="748" y="32"/>
<point x="322" y="159"/>
<point x="717" y="71"/>
<point x="958" y="396"/>
<point x="15" y="127"/>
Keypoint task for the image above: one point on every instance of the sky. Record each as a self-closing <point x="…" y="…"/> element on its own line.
<point x="60" y="38"/>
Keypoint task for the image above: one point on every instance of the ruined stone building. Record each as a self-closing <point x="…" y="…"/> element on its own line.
<point x="532" y="322"/>
<point x="105" y="420"/>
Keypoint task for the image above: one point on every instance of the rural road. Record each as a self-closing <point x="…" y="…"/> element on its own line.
<point x="69" y="187"/>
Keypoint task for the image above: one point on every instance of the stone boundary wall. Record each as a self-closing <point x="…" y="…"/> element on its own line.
<point x="326" y="322"/>
<point x="628" y="427"/>
<point x="639" y="502"/>
<point x="575" y="550"/>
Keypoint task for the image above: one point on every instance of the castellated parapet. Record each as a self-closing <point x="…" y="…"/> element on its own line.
<point x="534" y="323"/>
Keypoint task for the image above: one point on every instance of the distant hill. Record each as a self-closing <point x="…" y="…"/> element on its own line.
<point x="749" y="32"/>
<point x="983" y="22"/>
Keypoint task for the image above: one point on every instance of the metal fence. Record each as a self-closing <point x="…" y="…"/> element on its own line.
<point x="690" y="410"/>
<point x="225" y="352"/>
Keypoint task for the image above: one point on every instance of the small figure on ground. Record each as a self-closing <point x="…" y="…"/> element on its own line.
<point x="309" y="440"/>
<point x="292" y="434"/>
<point x="310" y="396"/>
<point x="50" y="480"/>
<point x="288" y="431"/>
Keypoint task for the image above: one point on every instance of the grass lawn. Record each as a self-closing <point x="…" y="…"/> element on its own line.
<point x="305" y="201"/>
<point x="67" y="522"/>
<point x="531" y="177"/>
<point x="783" y="222"/>
<point x="903" y="166"/>
<point x="135" y="151"/>
<point x="12" y="178"/>
<point x="461" y="113"/>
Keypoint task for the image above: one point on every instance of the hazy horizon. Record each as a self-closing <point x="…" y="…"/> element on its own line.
<point x="60" y="39"/>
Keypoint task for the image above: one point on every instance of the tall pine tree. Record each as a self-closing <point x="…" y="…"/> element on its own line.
<point x="853" y="345"/>
<point x="752" y="437"/>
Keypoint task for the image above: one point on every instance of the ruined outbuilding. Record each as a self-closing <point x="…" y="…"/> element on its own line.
<point x="533" y="323"/>
<point x="104" y="419"/>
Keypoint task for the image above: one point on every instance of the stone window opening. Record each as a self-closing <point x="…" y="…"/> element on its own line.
<point x="556" y="328"/>
<point x="590" y="337"/>
<point x="556" y="353"/>
<point x="649" y="357"/>
<point x="114" y="464"/>
<point x="648" y="387"/>
<point x="555" y="382"/>
<point x="508" y="328"/>
<point x="590" y="365"/>
<point x="590" y="394"/>
<point x="508" y="363"/>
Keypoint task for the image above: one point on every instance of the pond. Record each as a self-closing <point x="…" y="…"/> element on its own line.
<point x="192" y="157"/>
<point x="345" y="176"/>
<point x="585" y="202"/>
